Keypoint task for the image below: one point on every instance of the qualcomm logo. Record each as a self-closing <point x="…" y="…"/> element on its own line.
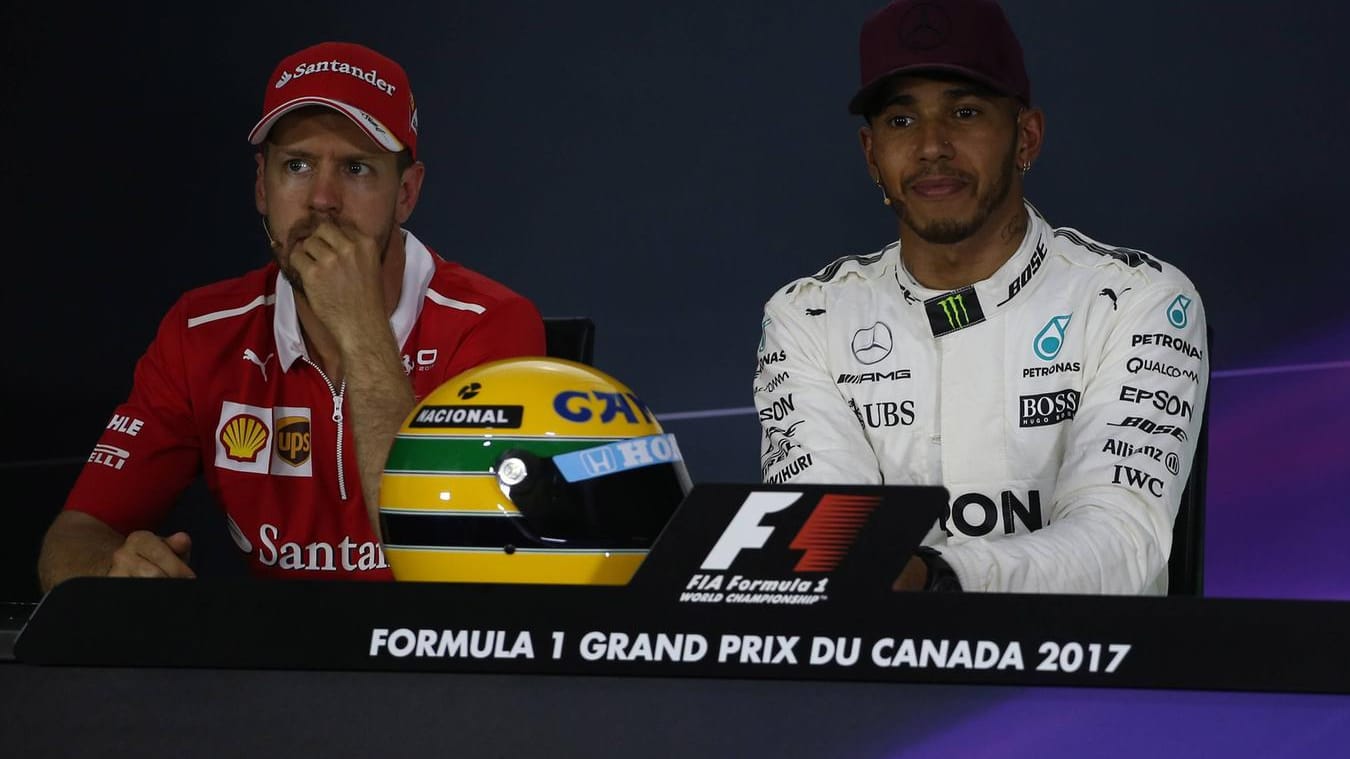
<point x="1176" y="312"/>
<point x="1051" y="337"/>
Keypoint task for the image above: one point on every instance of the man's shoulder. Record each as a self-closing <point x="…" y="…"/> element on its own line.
<point x="228" y="299"/>
<point x="1082" y="252"/>
<point x="843" y="273"/>
<point x="458" y="289"/>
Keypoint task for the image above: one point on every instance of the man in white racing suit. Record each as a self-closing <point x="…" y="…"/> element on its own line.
<point x="1054" y="385"/>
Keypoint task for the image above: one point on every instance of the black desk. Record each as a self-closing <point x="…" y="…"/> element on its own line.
<point x="60" y="711"/>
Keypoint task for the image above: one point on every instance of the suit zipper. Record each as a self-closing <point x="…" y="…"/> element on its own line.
<point x="337" y="419"/>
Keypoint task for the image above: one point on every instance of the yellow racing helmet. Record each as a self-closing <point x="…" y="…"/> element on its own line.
<point x="528" y="470"/>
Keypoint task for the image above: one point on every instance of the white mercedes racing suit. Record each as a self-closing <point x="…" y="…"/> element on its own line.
<point x="1058" y="401"/>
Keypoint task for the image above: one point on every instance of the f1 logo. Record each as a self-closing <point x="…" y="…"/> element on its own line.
<point x="745" y="531"/>
<point x="824" y="538"/>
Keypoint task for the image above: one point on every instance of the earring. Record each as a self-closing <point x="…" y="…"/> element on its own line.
<point x="886" y="199"/>
<point x="1024" y="168"/>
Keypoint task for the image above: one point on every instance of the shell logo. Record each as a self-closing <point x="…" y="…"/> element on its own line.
<point x="243" y="436"/>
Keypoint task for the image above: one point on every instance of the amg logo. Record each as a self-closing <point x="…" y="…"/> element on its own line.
<point x="1046" y="409"/>
<point x="1136" y="478"/>
<point x="865" y="377"/>
<point x="469" y="416"/>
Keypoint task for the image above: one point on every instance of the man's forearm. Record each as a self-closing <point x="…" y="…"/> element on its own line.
<point x="379" y="397"/>
<point x="76" y="545"/>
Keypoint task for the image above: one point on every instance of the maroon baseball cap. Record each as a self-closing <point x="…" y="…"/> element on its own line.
<point x="967" y="37"/>
<point x="354" y="80"/>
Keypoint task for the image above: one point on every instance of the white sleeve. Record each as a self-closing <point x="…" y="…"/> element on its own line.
<point x="808" y="432"/>
<point x="1126" y="461"/>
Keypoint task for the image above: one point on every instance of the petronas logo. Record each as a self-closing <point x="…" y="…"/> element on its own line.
<point x="1051" y="337"/>
<point x="1176" y="312"/>
<point x="954" y="308"/>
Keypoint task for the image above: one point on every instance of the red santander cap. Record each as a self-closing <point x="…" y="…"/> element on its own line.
<point x="968" y="37"/>
<point x="361" y="84"/>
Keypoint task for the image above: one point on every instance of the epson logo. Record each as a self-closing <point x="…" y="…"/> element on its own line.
<point x="866" y="377"/>
<point x="778" y="410"/>
<point x="1045" y="409"/>
<point x="469" y="416"/>
<point x="1137" y="365"/>
<point x="1167" y="341"/>
<point x="1159" y="399"/>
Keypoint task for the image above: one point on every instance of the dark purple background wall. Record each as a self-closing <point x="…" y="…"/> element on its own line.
<point x="664" y="167"/>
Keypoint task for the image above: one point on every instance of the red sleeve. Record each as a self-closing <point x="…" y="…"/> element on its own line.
<point x="148" y="452"/>
<point x="512" y="328"/>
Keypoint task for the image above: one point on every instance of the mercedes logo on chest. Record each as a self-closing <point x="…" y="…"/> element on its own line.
<point x="872" y="344"/>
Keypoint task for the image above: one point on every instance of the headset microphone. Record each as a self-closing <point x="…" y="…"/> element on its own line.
<point x="268" y="231"/>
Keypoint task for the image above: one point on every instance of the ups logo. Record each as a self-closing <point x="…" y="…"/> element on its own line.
<point x="292" y="436"/>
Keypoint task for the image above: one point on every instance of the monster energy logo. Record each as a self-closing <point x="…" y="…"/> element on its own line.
<point x="954" y="310"/>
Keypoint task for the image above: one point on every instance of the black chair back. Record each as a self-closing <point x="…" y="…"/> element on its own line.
<point x="1186" y="567"/>
<point x="570" y="337"/>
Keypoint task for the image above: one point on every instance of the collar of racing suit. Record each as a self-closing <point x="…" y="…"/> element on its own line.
<point x="1013" y="278"/>
<point x="418" y="267"/>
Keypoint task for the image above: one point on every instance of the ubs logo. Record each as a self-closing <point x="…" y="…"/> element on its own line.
<point x="872" y="344"/>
